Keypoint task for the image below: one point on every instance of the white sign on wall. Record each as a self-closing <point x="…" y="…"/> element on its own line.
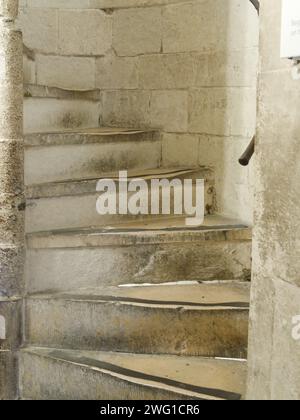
<point x="290" y="29"/>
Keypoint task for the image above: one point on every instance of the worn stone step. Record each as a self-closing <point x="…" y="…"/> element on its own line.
<point x="185" y="319"/>
<point x="72" y="204"/>
<point x="53" y="374"/>
<point x="64" y="155"/>
<point x="146" y="253"/>
<point x="48" y="109"/>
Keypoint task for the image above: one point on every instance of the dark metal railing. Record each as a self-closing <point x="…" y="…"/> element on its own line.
<point x="249" y="152"/>
<point x="247" y="155"/>
<point x="256" y="4"/>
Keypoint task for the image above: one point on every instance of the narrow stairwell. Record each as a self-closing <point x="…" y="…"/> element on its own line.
<point x="127" y="307"/>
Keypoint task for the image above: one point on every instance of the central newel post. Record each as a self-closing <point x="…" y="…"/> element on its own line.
<point x="12" y="201"/>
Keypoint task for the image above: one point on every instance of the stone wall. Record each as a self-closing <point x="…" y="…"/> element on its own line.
<point x="61" y="42"/>
<point x="274" y="363"/>
<point x="187" y="67"/>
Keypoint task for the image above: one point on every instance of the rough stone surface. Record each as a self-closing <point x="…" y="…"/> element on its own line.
<point x="274" y="349"/>
<point x="63" y="261"/>
<point x="89" y="156"/>
<point x="11" y="270"/>
<point x="84" y="32"/>
<point x="9" y="8"/>
<point x="53" y="374"/>
<point x="40" y="29"/>
<point x="51" y="206"/>
<point x="8" y="376"/>
<point x="12" y="203"/>
<point x="143" y="29"/>
<point x="117" y="72"/>
<point x="134" y="319"/>
<point x="65" y="72"/>
<point x="181" y="66"/>
<point x="11" y="153"/>
<point x="56" y="114"/>
<point x="11" y="324"/>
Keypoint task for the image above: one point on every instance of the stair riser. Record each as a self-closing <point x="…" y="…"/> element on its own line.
<point x="70" y="268"/>
<point x="113" y="326"/>
<point x="57" y="114"/>
<point x="55" y="163"/>
<point x="48" y="379"/>
<point x="80" y="211"/>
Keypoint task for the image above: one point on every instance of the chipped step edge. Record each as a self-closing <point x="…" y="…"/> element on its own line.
<point x="137" y="378"/>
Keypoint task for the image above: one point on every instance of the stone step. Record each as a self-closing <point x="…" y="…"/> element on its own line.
<point x="147" y="253"/>
<point x="48" y="109"/>
<point x="53" y="374"/>
<point x="208" y="320"/>
<point x="72" y="204"/>
<point x="88" y="153"/>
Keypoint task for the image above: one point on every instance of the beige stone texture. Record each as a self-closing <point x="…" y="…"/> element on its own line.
<point x="76" y="73"/>
<point x="166" y="71"/>
<point x="133" y="320"/>
<point x="8" y="375"/>
<point x="64" y="262"/>
<point x="223" y="111"/>
<point x="84" y="32"/>
<point x="51" y="206"/>
<point x="88" y="379"/>
<point x="137" y="31"/>
<point x="56" y="114"/>
<point x="273" y="351"/>
<point x="180" y="149"/>
<point x="155" y="62"/>
<point x="12" y="202"/>
<point x="126" y="108"/>
<point x="234" y="184"/>
<point x="9" y="8"/>
<point x="40" y="29"/>
<point x="65" y="156"/>
<point x="169" y="110"/>
<point x="117" y="72"/>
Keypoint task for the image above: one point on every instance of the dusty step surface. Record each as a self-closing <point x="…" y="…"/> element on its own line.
<point x="65" y="155"/>
<point x="65" y="374"/>
<point x="71" y="259"/>
<point x="185" y="319"/>
<point x="72" y="204"/>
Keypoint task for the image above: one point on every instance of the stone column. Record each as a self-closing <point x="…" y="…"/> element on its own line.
<point x="12" y="203"/>
<point x="274" y="335"/>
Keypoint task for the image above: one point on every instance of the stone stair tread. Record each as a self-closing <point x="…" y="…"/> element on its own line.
<point x="191" y="377"/>
<point x="88" y="185"/>
<point x="82" y="136"/>
<point x="215" y="227"/>
<point x="202" y="296"/>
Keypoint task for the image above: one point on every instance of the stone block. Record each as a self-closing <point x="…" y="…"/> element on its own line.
<point x="84" y="32"/>
<point x="285" y="362"/>
<point x="223" y="111"/>
<point x="169" y="110"/>
<point x="166" y="71"/>
<point x="117" y="72"/>
<point x="126" y="108"/>
<point x="180" y="150"/>
<point x="51" y="114"/>
<point x="40" y="29"/>
<point x="8" y="376"/>
<point x="72" y="73"/>
<point x="137" y="31"/>
<point x="189" y="27"/>
<point x="231" y="68"/>
<point x="10" y="324"/>
<point x="29" y="70"/>
<point x="11" y="271"/>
